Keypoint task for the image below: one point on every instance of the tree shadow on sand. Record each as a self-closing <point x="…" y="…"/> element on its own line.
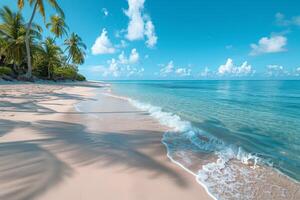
<point x="8" y="125"/>
<point x="125" y="150"/>
<point x="27" y="170"/>
<point x="37" y="102"/>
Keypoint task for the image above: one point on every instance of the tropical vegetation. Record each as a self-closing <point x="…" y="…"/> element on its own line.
<point x="26" y="55"/>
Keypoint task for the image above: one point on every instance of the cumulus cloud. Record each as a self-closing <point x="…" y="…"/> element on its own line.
<point x="170" y="69"/>
<point x="271" y="44"/>
<point x="133" y="71"/>
<point x="135" y="29"/>
<point x="232" y="70"/>
<point x="134" y="56"/>
<point x="183" y="72"/>
<point x="123" y="66"/>
<point x="282" y="21"/>
<point x="167" y="69"/>
<point x="140" y="24"/>
<point x="103" y="45"/>
<point x="132" y="59"/>
<point x="150" y="34"/>
<point x="113" y="69"/>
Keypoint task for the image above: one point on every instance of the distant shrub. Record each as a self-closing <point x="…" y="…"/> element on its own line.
<point x="80" y="77"/>
<point x="6" y="71"/>
<point x="40" y="72"/>
<point x="67" y="73"/>
<point x="64" y="73"/>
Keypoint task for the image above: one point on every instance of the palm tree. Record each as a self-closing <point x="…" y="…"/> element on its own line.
<point x="12" y="34"/>
<point x="37" y="4"/>
<point x="49" y="55"/>
<point x="75" y="48"/>
<point x="58" y="26"/>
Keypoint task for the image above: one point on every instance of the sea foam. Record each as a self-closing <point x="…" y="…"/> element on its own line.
<point x="230" y="176"/>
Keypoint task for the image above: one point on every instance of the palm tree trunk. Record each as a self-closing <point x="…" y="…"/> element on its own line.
<point x="49" y="73"/>
<point x="15" y="68"/>
<point x="27" y="38"/>
<point x="68" y="60"/>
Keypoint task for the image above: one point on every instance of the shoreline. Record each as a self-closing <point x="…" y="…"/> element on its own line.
<point x="283" y="181"/>
<point x="166" y="146"/>
<point x="80" y="156"/>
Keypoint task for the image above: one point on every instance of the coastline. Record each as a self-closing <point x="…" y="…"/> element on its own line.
<point x="85" y="154"/>
<point x="229" y="171"/>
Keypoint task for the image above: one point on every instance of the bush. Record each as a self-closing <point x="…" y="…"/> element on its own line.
<point x="6" y="71"/>
<point x="40" y="71"/>
<point x="64" y="73"/>
<point x="80" y="77"/>
<point x="67" y="73"/>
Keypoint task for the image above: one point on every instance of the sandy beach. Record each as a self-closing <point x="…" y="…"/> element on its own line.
<point x="50" y="150"/>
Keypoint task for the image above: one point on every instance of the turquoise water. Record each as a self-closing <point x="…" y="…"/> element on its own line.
<point x="259" y="121"/>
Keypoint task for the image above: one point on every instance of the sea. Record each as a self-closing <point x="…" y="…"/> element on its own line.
<point x="240" y="139"/>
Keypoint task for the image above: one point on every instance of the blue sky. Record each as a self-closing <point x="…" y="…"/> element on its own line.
<point x="191" y="39"/>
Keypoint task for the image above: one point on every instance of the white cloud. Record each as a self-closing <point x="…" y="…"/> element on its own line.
<point x="134" y="56"/>
<point x="169" y="68"/>
<point x="135" y="29"/>
<point x="183" y="72"/>
<point x="133" y="71"/>
<point x="132" y="59"/>
<point x="113" y="69"/>
<point x="150" y="34"/>
<point x="117" y="69"/>
<point x="269" y="45"/>
<point x="282" y="21"/>
<point x="230" y="69"/>
<point x="123" y="66"/>
<point x="277" y="70"/>
<point x="281" y="71"/>
<point x="105" y="12"/>
<point x="122" y="58"/>
<point x="103" y="45"/>
<point x="140" y="24"/>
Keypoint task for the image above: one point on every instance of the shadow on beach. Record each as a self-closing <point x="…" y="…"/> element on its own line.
<point x="28" y="168"/>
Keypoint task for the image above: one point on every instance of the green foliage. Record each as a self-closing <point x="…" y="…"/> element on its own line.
<point x="64" y="73"/>
<point x="49" y="56"/>
<point x="75" y="48"/>
<point x="80" y="77"/>
<point x="48" y="60"/>
<point x="58" y="26"/>
<point x="12" y="36"/>
<point x="5" y="71"/>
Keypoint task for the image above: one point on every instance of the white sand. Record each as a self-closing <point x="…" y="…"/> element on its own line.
<point x="48" y="150"/>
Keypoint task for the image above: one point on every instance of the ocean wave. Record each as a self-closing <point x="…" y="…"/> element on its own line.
<point x="225" y="171"/>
